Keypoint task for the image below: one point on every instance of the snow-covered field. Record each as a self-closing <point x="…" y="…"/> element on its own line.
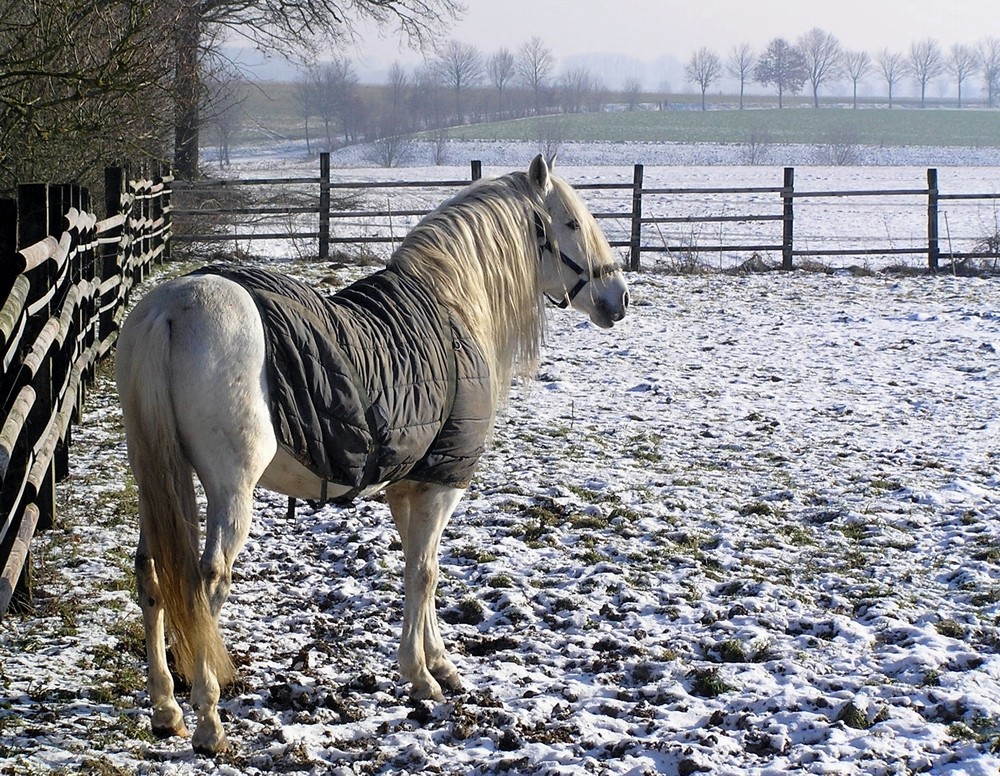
<point x="750" y="530"/>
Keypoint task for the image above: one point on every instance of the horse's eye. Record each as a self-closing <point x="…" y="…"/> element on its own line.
<point x="573" y="224"/>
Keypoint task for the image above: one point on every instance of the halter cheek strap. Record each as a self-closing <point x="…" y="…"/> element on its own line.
<point x="583" y="276"/>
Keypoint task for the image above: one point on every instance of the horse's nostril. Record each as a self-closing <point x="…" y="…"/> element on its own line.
<point x="625" y="300"/>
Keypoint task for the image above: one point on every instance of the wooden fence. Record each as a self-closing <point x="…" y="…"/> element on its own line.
<point x="637" y="205"/>
<point x="65" y="279"/>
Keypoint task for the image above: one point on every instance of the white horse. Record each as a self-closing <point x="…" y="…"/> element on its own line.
<point x="194" y="383"/>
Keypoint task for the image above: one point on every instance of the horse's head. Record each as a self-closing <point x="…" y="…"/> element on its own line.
<point x="577" y="267"/>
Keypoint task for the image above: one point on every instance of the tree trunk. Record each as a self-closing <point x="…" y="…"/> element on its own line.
<point x="187" y="92"/>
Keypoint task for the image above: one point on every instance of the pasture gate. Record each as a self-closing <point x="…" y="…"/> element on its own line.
<point x="65" y="281"/>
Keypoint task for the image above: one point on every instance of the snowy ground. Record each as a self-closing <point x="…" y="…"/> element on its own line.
<point x="751" y="530"/>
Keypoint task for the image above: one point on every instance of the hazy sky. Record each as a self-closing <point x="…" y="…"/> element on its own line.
<point x="650" y="29"/>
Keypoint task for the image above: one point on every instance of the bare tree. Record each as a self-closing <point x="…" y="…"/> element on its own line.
<point x="988" y="50"/>
<point x="893" y="67"/>
<point x="460" y="67"/>
<point x="500" y="72"/>
<point x="704" y="68"/>
<point x="320" y="92"/>
<point x="398" y="81"/>
<point x="961" y="64"/>
<point x="631" y="90"/>
<point x="334" y="92"/>
<point x="534" y="66"/>
<point x="292" y="28"/>
<point x="305" y="101"/>
<point x="391" y="149"/>
<point x="342" y="81"/>
<point x="222" y="110"/>
<point x="782" y="65"/>
<point x="740" y="65"/>
<point x="924" y="64"/>
<point x="576" y="88"/>
<point x="856" y="65"/>
<point x="427" y="97"/>
<point x="82" y="84"/>
<point x="821" y="51"/>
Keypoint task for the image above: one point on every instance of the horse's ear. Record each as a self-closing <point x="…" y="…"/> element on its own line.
<point x="552" y="161"/>
<point x="538" y="173"/>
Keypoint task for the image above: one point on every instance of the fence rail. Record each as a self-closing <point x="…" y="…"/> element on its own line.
<point x="639" y="212"/>
<point x="65" y="279"/>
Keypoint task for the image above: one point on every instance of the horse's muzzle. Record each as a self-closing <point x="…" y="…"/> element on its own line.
<point x="608" y="312"/>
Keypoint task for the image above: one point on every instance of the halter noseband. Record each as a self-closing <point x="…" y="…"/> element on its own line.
<point x="583" y="276"/>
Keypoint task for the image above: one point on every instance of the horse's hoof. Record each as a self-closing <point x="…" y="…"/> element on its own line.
<point x="451" y="682"/>
<point x="168" y="721"/>
<point x="426" y="691"/>
<point x="161" y="731"/>
<point x="211" y="744"/>
<point x="447" y="675"/>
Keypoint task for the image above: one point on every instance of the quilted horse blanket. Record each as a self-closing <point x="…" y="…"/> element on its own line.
<point x="373" y="384"/>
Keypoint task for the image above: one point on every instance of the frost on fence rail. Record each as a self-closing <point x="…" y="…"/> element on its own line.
<point x="65" y="291"/>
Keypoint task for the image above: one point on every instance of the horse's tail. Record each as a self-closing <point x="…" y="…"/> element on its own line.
<point x="168" y="512"/>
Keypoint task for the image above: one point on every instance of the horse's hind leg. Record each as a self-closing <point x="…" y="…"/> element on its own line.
<point x="224" y="423"/>
<point x="168" y="720"/>
<point x="421" y="511"/>
<point x="227" y="525"/>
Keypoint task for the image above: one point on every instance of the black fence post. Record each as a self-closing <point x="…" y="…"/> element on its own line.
<point x="109" y="265"/>
<point x="155" y="212"/>
<point x="42" y="210"/>
<point x="788" y="220"/>
<point x="8" y="244"/>
<point x="324" y="205"/>
<point x="62" y="356"/>
<point x="32" y="225"/>
<point x="477" y="170"/>
<point x="933" y="246"/>
<point x="635" y="235"/>
<point x="167" y="177"/>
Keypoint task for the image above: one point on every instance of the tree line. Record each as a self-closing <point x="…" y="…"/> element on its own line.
<point x="86" y="84"/>
<point x="818" y="59"/>
<point x="459" y="84"/>
<point x="456" y="85"/>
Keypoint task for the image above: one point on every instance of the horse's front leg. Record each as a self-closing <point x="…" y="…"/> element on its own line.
<point x="421" y="511"/>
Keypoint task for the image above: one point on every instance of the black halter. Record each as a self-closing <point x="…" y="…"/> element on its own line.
<point x="583" y="275"/>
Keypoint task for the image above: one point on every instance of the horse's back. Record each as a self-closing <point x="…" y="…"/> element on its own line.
<point x="198" y="341"/>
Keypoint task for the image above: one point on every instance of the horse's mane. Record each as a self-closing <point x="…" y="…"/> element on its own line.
<point x="478" y="252"/>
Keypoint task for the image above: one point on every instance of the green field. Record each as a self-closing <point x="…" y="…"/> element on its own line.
<point x="270" y="109"/>
<point x="868" y="126"/>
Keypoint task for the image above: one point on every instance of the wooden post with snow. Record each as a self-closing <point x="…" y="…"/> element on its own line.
<point x="933" y="247"/>
<point x="324" y="205"/>
<point x="635" y="235"/>
<point x="788" y="219"/>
